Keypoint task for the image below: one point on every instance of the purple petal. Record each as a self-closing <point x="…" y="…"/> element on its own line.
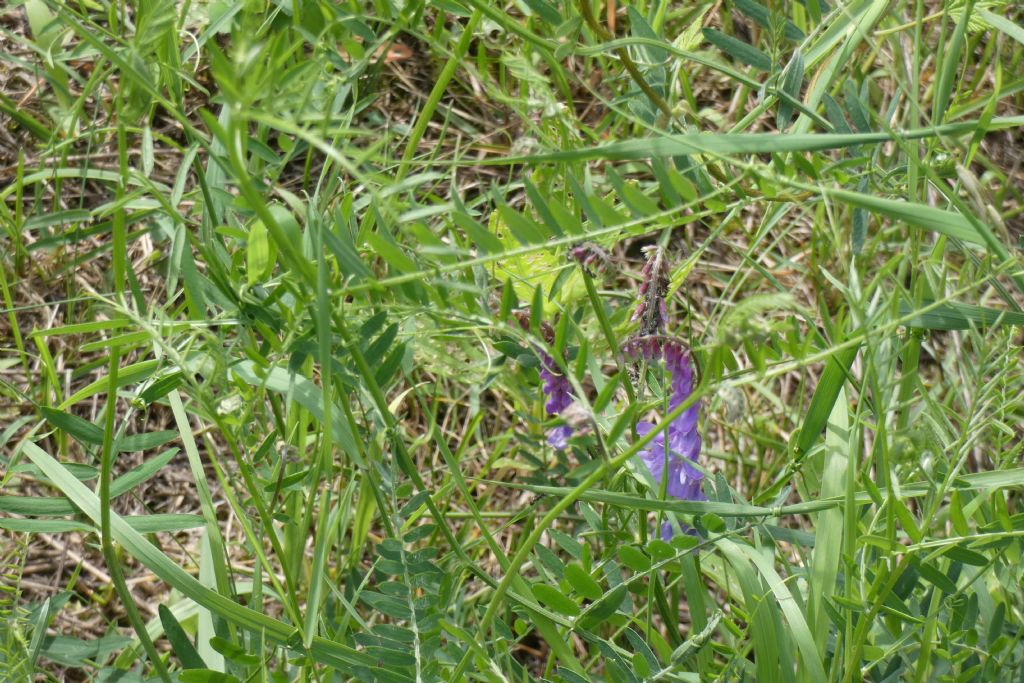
<point x="558" y="437"/>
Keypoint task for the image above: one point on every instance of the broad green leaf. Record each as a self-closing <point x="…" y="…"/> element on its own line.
<point x="525" y="229"/>
<point x="737" y="49"/>
<point x="47" y="220"/>
<point x="77" y="652"/>
<point x="259" y="253"/>
<point x="540" y="205"/>
<point x="959" y="553"/>
<point x="161" y="387"/>
<point x="949" y="64"/>
<point x="36" y="505"/>
<point x="792" y="80"/>
<point x="933" y="575"/>
<point x="135" y="476"/>
<point x="129" y="374"/>
<point x="83" y="472"/>
<point x="235" y="653"/>
<point x="154" y="523"/>
<point x="932" y="218"/>
<point x="1001" y="23"/>
<point x="145" y="441"/>
<point x="828" y="525"/>
<point x="532" y="271"/>
<point x="582" y="582"/>
<point x="479" y="236"/>
<point x="42" y="526"/>
<point x="751" y="143"/>
<point x="83" y="431"/>
<point x="825" y="395"/>
<point x="344" y="251"/>
<point x="555" y="599"/>
<point x="83" y="328"/>
<point x="634" y="558"/>
<point x="385" y="246"/>
<point x="638" y="25"/>
<point x="545" y="11"/>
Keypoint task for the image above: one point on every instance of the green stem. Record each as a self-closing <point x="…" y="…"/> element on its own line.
<point x="634" y="71"/>
<point x="106" y="540"/>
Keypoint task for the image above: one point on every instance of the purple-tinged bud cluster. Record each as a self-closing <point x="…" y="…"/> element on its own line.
<point x="651" y="310"/>
<point x="590" y="257"/>
<point x="648" y="348"/>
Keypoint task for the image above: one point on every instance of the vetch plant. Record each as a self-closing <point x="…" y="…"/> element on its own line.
<point x="671" y="455"/>
<point x="652" y="311"/>
<point x="279" y="285"/>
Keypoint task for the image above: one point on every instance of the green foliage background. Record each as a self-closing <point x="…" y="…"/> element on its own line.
<point x="253" y="264"/>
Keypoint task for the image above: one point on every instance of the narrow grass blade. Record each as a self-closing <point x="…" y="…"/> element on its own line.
<point x="828" y="526"/>
<point x="954" y="315"/>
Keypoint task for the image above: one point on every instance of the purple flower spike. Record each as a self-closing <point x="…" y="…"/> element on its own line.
<point x="678" y="456"/>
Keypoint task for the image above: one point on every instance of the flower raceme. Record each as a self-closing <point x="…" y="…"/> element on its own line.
<point x="672" y="454"/>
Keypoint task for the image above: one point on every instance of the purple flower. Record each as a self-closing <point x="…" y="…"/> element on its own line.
<point x="675" y="449"/>
<point x="556" y="385"/>
<point x="557" y="389"/>
<point x="649" y="348"/>
<point x="558" y="437"/>
<point x="559" y="394"/>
